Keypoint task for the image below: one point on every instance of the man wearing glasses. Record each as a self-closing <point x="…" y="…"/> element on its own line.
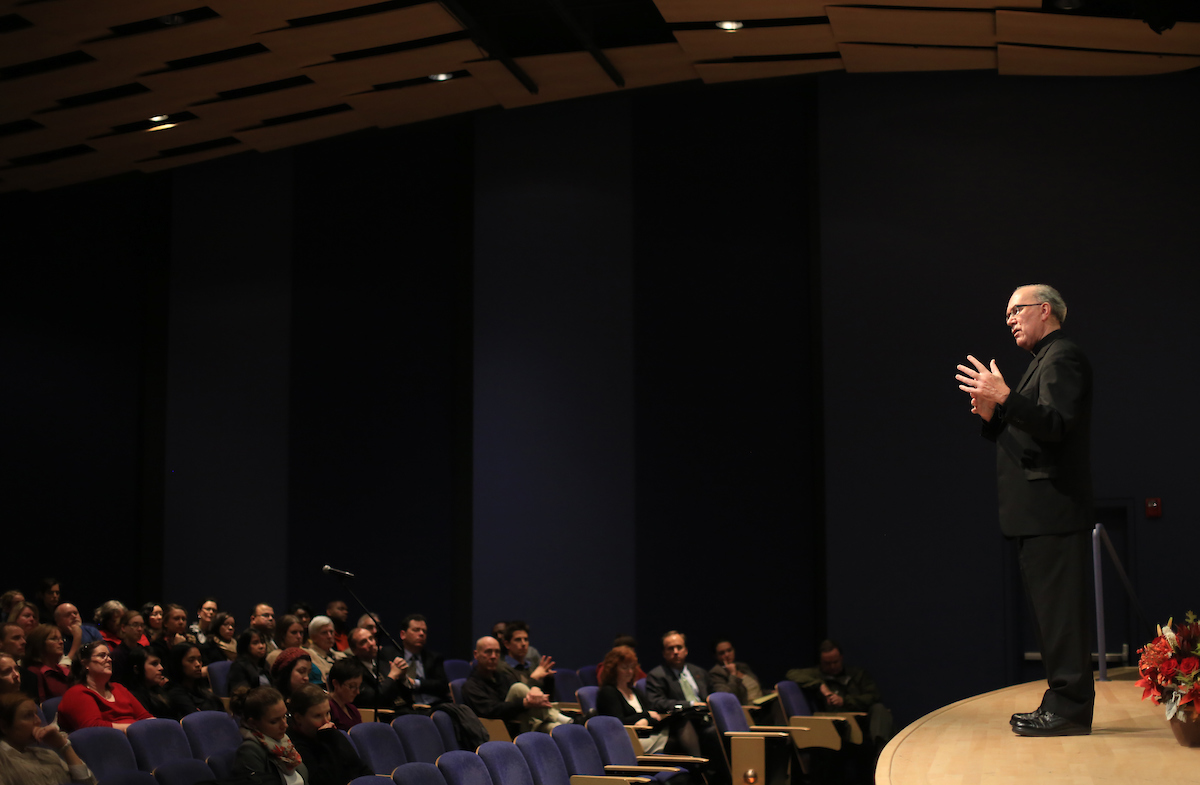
<point x="1042" y="431"/>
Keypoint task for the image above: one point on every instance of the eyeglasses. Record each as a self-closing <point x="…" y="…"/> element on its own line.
<point x="101" y="657"/>
<point x="1016" y="310"/>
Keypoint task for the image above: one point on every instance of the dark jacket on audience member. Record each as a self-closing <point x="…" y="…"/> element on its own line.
<point x="157" y="703"/>
<point x="611" y="703"/>
<point x="199" y="698"/>
<point x="246" y="671"/>
<point x="485" y="695"/>
<point x="329" y="757"/>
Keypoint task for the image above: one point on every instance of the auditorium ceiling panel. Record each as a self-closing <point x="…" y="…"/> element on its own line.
<point x="83" y="82"/>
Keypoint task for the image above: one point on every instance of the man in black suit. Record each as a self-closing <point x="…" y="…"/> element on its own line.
<point x="426" y="681"/>
<point x="383" y="672"/>
<point x="674" y="686"/>
<point x="1042" y="431"/>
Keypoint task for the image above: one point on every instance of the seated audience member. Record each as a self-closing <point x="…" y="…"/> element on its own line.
<point x="339" y="612"/>
<point x="678" y="685"/>
<point x="367" y="623"/>
<point x="26" y="616"/>
<point x="8" y="600"/>
<point x="835" y="686"/>
<point x="107" y="619"/>
<point x="148" y="683"/>
<point x="131" y="627"/>
<point x="532" y="655"/>
<point x="534" y="670"/>
<point x="12" y="644"/>
<point x="329" y="756"/>
<point x="618" y="697"/>
<point x="289" y="634"/>
<point x="302" y="611"/>
<point x="321" y="635"/>
<point x="250" y="668"/>
<point x="152" y="617"/>
<point x="292" y="670"/>
<point x="43" y="655"/>
<point x="221" y="644"/>
<point x="75" y="633"/>
<point x="48" y="597"/>
<point x="201" y="628"/>
<point x="10" y="674"/>
<point x="263" y="620"/>
<point x="495" y="692"/>
<point x="425" y="682"/>
<point x="33" y="753"/>
<point x="187" y="687"/>
<point x="728" y="675"/>
<point x="95" y="700"/>
<point x="174" y="631"/>
<point x="621" y="640"/>
<point x="345" y="681"/>
<point x="266" y="753"/>
<point x="383" y="671"/>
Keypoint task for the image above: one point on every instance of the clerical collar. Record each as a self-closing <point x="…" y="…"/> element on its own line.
<point x="1047" y="339"/>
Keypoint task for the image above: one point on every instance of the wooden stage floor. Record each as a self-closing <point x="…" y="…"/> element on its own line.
<point x="970" y="742"/>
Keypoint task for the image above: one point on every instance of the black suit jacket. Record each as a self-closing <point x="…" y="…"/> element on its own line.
<point x="663" y="690"/>
<point x="1043" y="443"/>
<point x="435" y="681"/>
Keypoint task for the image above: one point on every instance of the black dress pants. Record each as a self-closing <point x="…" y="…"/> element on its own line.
<point x="1055" y="569"/>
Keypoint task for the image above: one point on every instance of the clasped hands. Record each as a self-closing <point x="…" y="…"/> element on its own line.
<point x="535" y="697"/>
<point x="984" y="384"/>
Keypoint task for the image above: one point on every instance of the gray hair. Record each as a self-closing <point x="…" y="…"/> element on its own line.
<point x="111" y="608"/>
<point x="318" y="622"/>
<point x="1048" y="294"/>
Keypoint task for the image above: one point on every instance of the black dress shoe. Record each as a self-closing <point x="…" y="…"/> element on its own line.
<point x="1048" y="724"/>
<point x="1028" y="716"/>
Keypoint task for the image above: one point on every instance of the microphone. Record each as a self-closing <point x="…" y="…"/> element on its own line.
<point x="335" y="571"/>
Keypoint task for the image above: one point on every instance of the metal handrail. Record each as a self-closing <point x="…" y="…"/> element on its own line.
<point x="1098" y="535"/>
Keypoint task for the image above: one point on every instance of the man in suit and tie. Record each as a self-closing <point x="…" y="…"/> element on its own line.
<point x="1042" y="431"/>
<point x="426" y="683"/>
<point x="677" y="685"/>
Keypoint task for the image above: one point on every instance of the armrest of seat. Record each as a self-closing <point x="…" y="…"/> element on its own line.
<point x="567" y="706"/>
<point x="856" y="735"/>
<point x="821" y="732"/>
<point x="591" y="779"/>
<point x="674" y="760"/>
<point x="783" y="728"/>
<point x="612" y="767"/>
<point x="751" y="734"/>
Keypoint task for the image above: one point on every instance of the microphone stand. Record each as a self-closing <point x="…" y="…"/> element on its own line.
<point x="344" y="580"/>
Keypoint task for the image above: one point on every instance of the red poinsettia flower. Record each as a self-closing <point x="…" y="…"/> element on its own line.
<point x="1189" y="665"/>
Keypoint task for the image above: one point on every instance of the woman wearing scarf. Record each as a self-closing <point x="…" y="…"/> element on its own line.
<point x="266" y="750"/>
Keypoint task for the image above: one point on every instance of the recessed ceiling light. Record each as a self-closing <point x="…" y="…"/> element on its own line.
<point x="162" y="127"/>
<point x="158" y="118"/>
<point x="441" y="77"/>
<point x="730" y="27"/>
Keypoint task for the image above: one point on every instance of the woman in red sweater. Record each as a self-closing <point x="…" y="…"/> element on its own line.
<point x="95" y="700"/>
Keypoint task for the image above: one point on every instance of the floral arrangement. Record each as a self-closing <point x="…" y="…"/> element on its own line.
<point x="1170" y="668"/>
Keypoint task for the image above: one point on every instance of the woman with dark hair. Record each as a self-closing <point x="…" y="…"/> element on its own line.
<point x="345" y="681"/>
<point x="188" y="688"/>
<point x="221" y="642"/>
<point x="201" y="628"/>
<point x="250" y="668"/>
<point x="291" y="671"/>
<point x="174" y="631"/>
<point x="152" y="617"/>
<point x="107" y="619"/>
<point x="266" y="754"/>
<point x="33" y="753"/>
<point x="131" y="627"/>
<point x="302" y="611"/>
<point x="43" y="653"/>
<point x="326" y="752"/>
<point x="48" y="597"/>
<point x="147" y="683"/>
<point x="95" y="700"/>
<point x="25" y="615"/>
<point x="289" y="634"/>
<point x="618" y="697"/>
